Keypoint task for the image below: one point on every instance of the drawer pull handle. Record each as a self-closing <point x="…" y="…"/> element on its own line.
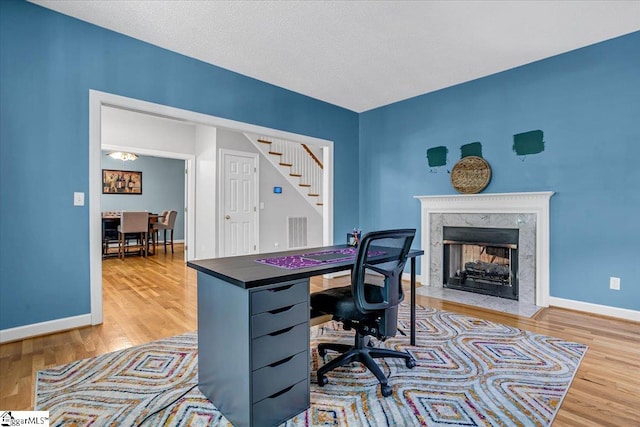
<point x="281" y="288"/>
<point x="281" y="392"/>
<point x="280" y="362"/>
<point x="280" y="310"/>
<point x="281" y="331"/>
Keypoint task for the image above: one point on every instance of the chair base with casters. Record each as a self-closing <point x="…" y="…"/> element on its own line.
<point x="364" y="352"/>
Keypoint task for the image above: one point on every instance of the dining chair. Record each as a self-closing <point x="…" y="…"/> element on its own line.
<point x="167" y="223"/>
<point x="153" y="233"/>
<point x="133" y="225"/>
<point x="109" y="233"/>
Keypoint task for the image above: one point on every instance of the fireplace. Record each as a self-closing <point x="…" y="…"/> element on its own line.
<point x="482" y="260"/>
<point x="526" y="212"/>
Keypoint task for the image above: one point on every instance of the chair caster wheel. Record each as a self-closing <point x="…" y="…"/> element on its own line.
<point x="410" y="363"/>
<point x="322" y="352"/>
<point x="386" y="390"/>
<point x="322" y="380"/>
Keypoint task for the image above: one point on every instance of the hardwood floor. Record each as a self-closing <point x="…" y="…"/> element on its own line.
<point x="150" y="298"/>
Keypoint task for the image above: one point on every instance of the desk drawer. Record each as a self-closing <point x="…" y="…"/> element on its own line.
<point x="275" y="320"/>
<point x="279" y="296"/>
<point x="278" y="345"/>
<point x="271" y="379"/>
<point x="281" y="406"/>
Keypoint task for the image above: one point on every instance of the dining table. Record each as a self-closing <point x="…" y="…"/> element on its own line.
<point x="111" y="221"/>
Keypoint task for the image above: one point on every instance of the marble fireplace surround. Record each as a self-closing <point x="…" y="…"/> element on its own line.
<point x="528" y="212"/>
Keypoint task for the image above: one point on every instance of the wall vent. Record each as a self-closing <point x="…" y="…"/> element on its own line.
<point x="297" y="231"/>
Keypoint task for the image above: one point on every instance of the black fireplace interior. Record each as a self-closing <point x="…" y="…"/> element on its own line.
<point x="482" y="260"/>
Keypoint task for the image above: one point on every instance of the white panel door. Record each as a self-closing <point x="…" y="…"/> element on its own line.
<point x="239" y="203"/>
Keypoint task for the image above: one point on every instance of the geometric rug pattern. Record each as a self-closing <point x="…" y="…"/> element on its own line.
<point x="470" y="372"/>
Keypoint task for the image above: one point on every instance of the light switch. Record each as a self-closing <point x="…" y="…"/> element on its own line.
<point x="78" y="199"/>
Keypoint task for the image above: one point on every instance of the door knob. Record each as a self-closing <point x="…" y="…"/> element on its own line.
<point x="227" y="217"/>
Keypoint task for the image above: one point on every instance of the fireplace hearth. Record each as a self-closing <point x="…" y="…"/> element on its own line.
<point x="481" y="260"/>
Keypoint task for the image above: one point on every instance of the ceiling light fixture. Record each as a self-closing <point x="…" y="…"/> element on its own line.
<point x="121" y="155"/>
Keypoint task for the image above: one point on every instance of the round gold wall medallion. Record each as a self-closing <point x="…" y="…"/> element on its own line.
<point x="471" y="175"/>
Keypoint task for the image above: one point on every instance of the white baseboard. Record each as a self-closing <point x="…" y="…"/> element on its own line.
<point x="49" y="327"/>
<point x="604" y="310"/>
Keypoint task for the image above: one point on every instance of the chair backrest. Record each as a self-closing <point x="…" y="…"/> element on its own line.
<point x="134" y="222"/>
<point x="170" y="219"/>
<point x="385" y="253"/>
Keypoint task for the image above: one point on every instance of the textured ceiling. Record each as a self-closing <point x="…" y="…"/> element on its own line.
<point x="362" y="54"/>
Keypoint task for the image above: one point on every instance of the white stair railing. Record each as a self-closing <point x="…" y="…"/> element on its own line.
<point x="297" y="163"/>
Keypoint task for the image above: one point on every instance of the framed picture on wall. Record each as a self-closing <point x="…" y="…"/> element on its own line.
<point x="121" y="182"/>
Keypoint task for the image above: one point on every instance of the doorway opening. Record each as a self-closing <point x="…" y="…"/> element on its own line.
<point x="195" y="165"/>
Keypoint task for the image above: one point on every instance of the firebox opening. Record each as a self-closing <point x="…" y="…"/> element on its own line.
<point x="482" y="260"/>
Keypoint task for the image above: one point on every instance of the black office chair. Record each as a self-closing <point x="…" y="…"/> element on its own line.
<point x="371" y="309"/>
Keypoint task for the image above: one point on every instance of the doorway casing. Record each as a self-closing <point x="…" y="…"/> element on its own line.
<point x="98" y="99"/>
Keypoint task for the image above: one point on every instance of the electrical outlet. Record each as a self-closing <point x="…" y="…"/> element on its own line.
<point x="614" y="283"/>
<point x="275" y="245"/>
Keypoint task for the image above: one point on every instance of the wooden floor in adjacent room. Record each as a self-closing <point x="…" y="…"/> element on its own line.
<point x="150" y="298"/>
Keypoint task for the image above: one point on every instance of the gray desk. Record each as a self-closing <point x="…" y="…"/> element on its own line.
<point x="253" y="334"/>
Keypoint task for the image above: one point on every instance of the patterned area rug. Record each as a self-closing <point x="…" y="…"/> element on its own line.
<point x="470" y="372"/>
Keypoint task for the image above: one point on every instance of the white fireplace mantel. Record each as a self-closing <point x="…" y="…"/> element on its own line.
<point x="536" y="203"/>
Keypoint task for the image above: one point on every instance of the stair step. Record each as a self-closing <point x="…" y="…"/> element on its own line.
<point x="286" y="149"/>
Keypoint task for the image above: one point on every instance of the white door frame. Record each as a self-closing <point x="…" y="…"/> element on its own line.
<point x="221" y="193"/>
<point x="97" y="99"/>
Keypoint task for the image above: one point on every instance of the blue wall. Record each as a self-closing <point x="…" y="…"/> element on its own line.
<point x="587" y="103"/>
<point x="48" y="64"/>
<point x="162" y="188"/>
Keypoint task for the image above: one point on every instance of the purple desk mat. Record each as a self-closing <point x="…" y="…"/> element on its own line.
<point x="294" y="262"/>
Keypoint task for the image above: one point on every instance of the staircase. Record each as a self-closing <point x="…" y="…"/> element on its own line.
<point x="298" y="164"/>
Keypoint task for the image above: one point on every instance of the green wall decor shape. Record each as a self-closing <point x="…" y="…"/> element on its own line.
<point x="528" y="143"/>
<point x="437" y="156"/>
<point x="471" y="149"/>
